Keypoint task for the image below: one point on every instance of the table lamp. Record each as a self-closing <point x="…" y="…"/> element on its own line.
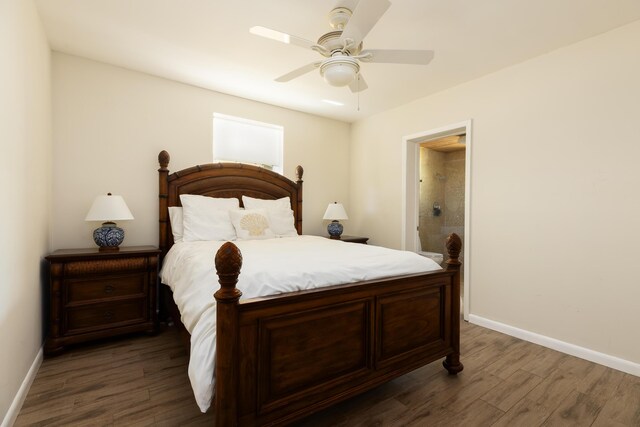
<point x="108" y="208"/>
<point x="335" y="212"/>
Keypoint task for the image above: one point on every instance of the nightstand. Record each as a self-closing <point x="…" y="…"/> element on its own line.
<point x="97" y="294"/>
<point x="352" y="239"/>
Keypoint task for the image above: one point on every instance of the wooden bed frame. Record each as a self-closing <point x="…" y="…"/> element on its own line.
<point x="283" y="357"/>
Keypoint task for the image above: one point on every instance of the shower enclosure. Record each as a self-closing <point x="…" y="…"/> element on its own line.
<point x="442" y="186"/>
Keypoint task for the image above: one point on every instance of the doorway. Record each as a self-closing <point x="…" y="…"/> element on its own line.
<point x="445" y="172"/>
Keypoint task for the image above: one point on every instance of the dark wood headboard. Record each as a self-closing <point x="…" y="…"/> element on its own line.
<point x="222" y="180"/>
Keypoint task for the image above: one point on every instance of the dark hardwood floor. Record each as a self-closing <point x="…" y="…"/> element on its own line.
<point x="142" y="381"/>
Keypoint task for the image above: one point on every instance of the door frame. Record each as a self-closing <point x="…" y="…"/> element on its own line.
<point x="411" y="193"/>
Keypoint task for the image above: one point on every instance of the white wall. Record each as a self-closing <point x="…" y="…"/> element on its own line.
<point x="555" y="204"/>
<point x="25" y="138"/>
<point x="110" y="123"/>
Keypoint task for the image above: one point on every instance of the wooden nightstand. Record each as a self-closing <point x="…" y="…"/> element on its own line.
<point x="97" y="294"/>
<point x="352" y="239"/>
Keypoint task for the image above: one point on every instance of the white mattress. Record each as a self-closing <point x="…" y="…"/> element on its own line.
<point x="269" y="267"/>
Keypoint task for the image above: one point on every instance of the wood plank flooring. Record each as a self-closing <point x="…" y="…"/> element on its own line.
<point x="142" y="381"/>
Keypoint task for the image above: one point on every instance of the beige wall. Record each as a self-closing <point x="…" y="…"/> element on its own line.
<point x="554" y="189"/>
<point x="25" y="137"/>
<point x="110" y="124"/>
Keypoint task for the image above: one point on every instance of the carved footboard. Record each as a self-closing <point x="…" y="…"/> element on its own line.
<point x="283" y="357"/>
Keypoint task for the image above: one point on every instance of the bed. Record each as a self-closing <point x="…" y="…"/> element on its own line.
<point x="360" y="334"/>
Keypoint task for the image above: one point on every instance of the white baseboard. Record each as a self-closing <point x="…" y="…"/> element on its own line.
<point x="21" y="395"/>
<point x="564" y="347"/>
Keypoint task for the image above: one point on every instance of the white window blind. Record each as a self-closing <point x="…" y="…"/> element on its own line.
<point x="241" y="140"/>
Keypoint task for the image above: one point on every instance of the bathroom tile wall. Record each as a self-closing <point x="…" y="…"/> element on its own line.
<point x="453" y="209"/>
<point x="432" y="190"/>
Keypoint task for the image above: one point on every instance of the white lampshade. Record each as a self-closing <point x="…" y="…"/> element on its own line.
<point x="108" y="208"/>
<point x="335" y="211"/>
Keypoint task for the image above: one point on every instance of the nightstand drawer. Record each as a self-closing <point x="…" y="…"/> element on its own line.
<point x="95" y="316"/>
<point x="80" y="268"/>
<point x="105" y="287"/>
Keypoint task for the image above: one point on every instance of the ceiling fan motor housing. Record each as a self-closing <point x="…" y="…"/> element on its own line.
<point x="332" y="44"/>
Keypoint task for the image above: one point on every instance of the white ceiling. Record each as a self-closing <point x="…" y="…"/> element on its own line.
<point x="206" y="43"/>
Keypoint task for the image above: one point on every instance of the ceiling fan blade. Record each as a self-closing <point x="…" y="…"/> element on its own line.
<point x="298" y="72"/>
<point x="358" y="84"/>
<point x="281" y="37"/>
<point x="391" y="56"/>
<point x="364" y="17"/>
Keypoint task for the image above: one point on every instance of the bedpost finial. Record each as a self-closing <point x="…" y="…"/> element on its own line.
<point x="228" y="259"/>
<point x="299" y="172"/>
<point x="454" y="246"/>
<point x="163" y="159"/>
<point x="228" y="263"/>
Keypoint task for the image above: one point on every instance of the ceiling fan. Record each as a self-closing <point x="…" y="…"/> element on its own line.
<point x="342" y="48"/>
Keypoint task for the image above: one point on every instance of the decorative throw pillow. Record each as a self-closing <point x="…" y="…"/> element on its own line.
<point x="207" y="218"/>
<point x="175" y="218"/>
<point x="251" y="224"/>
<point x="279" y="212"/>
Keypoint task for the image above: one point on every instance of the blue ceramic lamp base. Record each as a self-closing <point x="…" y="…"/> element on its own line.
<point x="108" y="237"/>
<point x="334" y="229"/>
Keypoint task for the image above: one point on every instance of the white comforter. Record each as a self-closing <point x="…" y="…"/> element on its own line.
<point x="269" y="267"/>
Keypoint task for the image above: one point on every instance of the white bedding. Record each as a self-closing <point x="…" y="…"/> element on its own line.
<point x="269" y="267"/>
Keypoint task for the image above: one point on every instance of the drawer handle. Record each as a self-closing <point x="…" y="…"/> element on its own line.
<point x="108" y="315"/>
<point x="109" y="289"/>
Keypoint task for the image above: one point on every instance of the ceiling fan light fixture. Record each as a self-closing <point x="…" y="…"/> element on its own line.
<point x="339" y="70"/>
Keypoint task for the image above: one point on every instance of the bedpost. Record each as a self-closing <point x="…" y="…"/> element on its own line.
<point x="163" y="189"/>
<point x="228" y="263"/>
<point x="454" y="246"/>
<point x="299" y="172"/>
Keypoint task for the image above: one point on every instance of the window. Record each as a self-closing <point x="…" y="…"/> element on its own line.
<point x="240" y="140"/>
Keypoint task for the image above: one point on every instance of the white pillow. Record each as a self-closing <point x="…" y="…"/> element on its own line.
<point x="251" y="224"/>
<point x="279" y="212"/>
<point x="175" y="218"/>
<point x="282" y="222"/>
<point x="251" y="203"/>
<point x="207" y="218"/>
